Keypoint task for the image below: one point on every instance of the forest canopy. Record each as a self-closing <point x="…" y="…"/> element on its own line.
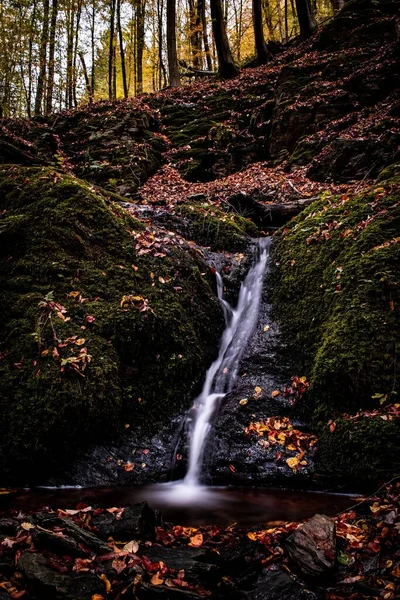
<point x="58" y="54"/>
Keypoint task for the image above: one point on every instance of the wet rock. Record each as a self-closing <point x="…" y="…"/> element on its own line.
<point x="8" y="527"/>
<point x="85" y="537"/>
<point x="198" y="564"/>
<point x="348" y="159"/>
<point x="148" y="592"/>
<point x="136" y="521"/>
<point x="313" y="546"/>
<point x="276" y="584"/>
<point x="59" y="544"/>
<point x="52" y="585"/>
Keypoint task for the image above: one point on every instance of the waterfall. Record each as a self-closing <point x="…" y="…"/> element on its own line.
<point x="221" y="376"/>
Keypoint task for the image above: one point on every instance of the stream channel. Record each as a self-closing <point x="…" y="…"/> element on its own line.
<point x="227" y="477"/>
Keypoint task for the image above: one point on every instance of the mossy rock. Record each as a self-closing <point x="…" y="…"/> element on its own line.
<point x="358" y="453"/>
<point x="104" y="322"/>
<point x="337" y="295"/>
<point x="208" y="225"/>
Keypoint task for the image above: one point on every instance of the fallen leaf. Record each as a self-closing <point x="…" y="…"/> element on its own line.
<point x="196" y="540"/>
<point x="275" y="393"/>
<point x="106" y="582"/>
<point x="132" y="547"/>
<point x="156" y="579"/>
<point x="257" y="392"/>
<point x="243" y="401"/>
<point x="292" y="462"/>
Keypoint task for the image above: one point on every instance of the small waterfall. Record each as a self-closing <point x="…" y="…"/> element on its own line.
<point x="221" y="376"/>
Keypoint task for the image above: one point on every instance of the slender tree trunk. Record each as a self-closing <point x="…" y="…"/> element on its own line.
<point x="280" y="23"/>
<point x="75" y="52"/>
<point x="226" y="66"/>
<point x="173" y="70"/>
<point x="114" y="73"/>
<point x="263" y="54"/>
<point x="70" y="18"/>
<point x="121" y="49"/>
<point x="30" y="55"/>
<point x="306" y="17"/>
<point x="194" y="33"/>
<point x="286" y="21"/>
<point x="111" y="50"/>
<point x="93" y="48"/>
<point x="86" y="76"/>
<point x="42" y="59"/>
<point x="140" y="16"/>
<point x="268" y="18"/>
<point x="202" y="12"/>
<point x="50" y="77"/>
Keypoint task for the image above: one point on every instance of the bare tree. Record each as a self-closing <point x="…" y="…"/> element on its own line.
<point x="262" y="52"/>
<point x="226" y="66"/>
<point x="306" y="17"/>
<point x="174" y="79"/>
<point x="42" y="59"/>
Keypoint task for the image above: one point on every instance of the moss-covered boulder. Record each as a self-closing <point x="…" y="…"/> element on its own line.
<point x="337" y="293"/>
<point x="105" y="320"/>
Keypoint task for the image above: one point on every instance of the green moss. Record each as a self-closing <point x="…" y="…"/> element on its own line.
<point x="68" y="254"/>
<point x="359" y="453"/>
<point x="209" y="226"/>
<point x="337" y="292"/>
<point x="390" y="172"/>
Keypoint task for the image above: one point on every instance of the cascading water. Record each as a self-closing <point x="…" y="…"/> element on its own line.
<point x="221" y="376"/>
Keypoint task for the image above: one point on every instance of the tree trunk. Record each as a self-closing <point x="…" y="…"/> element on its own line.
<point x="201" y="7"/>
<point x="93" y="47"/>
<point x="30" y="61"/>
<point x="50" y="77"/>
<point x="70" y="17"/>
<point x="140" y="16"/>
<point x="262" y="52"/>
<point x="174" y="79"/>
<point x="42" y="59"/>
<point x="75" y="52"/>
<point x="86" y="76"/>
<point x="306" y="17"/>
<point x="194" y="33"/>
<point x="226" y="66"/>
<point x="121" y="49"/>
<point x="111" y="51"/>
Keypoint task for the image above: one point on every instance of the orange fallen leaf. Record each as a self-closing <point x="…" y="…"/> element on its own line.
<point x="156" y="580"/>
<point x="275" y="393"/>
<point x="106" y="582"/>
<point x="196" y="540"/>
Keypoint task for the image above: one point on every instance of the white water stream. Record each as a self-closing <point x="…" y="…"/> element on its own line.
<point x="221" y="376"/>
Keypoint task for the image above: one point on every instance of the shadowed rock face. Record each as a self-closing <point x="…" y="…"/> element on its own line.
<point x="313" y="546"/>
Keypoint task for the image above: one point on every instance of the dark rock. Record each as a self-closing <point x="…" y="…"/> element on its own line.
<point x="148" y="592"/>
<point x="276" y="584"/>
<point x="197" y="563"/>
<point x="85" y="537"/>
<point x="52" y="585"/>
<point x="313" y="546"/>
<point x="8" y="526"/>
<point x="349" y="159"/>
<point x="136" y="521"/>
<point x="59" y="544"/>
